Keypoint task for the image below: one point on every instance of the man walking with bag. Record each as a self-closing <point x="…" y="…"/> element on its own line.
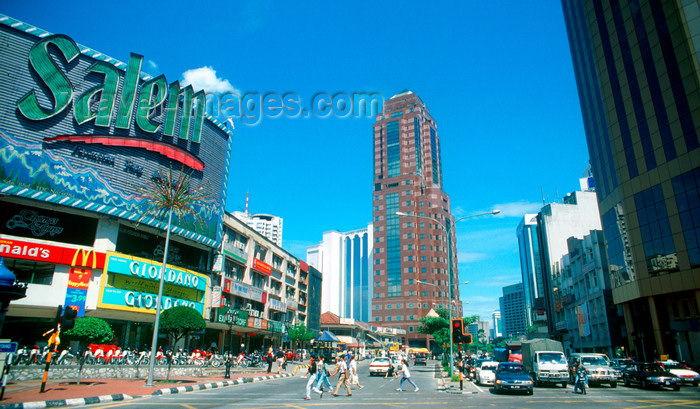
<point x="342" y="369"/>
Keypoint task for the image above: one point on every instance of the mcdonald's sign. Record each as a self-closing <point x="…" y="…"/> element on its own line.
<point x="79" y="278"/>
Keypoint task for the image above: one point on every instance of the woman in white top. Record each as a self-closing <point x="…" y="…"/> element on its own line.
<point x="406" y="376"/>
<point x="354" y="379"/>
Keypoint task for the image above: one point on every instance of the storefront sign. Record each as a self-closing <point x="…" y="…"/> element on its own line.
<point x="258" y="323"/>
<point x="246" y="291"/>
<point x="79" y="279"/>
<point x="227" y="285"/>
<point x="131" y="284"/>
<point x="27" y="250"/>
<point x="276" y="305"/>
<point x="216" y="296"/>
<point x="56" y="82"/>
<point x="44" y="224"/>
<point x="223" y="315"/>
<point x="261" y="266"/>
<point x="275" y="326"/>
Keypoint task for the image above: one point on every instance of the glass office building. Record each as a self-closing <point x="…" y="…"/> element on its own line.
<point x="637" y="70"/>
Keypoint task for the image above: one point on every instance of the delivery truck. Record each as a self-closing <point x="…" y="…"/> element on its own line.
<point x="544" y="359"/>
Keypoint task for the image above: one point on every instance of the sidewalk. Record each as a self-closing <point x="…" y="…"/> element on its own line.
<point x="67" y="392"/>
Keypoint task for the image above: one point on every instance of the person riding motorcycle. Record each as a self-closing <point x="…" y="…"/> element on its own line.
<point x="581" y="378"/>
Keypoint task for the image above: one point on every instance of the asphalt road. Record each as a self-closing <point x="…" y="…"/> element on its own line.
<point x="380" y="393"/>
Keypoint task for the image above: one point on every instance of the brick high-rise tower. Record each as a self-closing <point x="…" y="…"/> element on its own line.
<point x="410" y="251"/>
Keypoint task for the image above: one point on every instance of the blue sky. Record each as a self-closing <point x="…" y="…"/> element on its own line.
<point x="496" y="76"/>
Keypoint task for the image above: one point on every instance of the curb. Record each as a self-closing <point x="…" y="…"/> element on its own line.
<point x="123" y="397"/>
<point x="294" y="372"/>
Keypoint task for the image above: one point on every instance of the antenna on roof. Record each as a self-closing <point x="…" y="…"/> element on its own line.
<point x="246" y="203"/>
<point x="542" y="190"/>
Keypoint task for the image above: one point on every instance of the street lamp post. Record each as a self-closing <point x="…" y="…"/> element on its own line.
<point x="230" y="318"/>
<point x="449" y="257"/>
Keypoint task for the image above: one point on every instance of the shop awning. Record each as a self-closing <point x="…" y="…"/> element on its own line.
<point x="326" y="336"/>
<point x="374" y="338"/>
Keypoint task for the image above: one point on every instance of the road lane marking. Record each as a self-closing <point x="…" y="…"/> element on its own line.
<point x="661" y="404"/>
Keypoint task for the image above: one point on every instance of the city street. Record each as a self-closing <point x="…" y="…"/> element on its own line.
<point x="379" y="392"/>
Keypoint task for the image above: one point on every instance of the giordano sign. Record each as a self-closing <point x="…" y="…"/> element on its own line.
<point x="131" y="284"/>
<point x="152" y="94"/>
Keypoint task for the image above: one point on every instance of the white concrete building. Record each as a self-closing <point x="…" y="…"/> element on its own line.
<point x="345" y="259"/>
<point x="497" y="330"/>
<point x="575" y="217"/>
<point x="266" y="224"/>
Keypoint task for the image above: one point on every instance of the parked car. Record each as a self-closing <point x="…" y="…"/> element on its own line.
<point x="598" y="368"/>
<point x="420" y="360"/>
<point x="512" y="376"/>
<point x="486" y="373"/>
<point x="687" y="375"/>
<point x="379" y="365"/>
<point x="620" y="363"/>
<point x="648" y="374"/>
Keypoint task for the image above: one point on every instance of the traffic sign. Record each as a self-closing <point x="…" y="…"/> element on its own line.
<point x="8" y="347"/>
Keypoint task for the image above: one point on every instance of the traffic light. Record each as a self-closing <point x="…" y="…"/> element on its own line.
<point x="458" y="335"/>
<point x="68" y="318"/>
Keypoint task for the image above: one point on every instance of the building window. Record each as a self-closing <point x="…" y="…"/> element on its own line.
<point x="422" y="236"/>
<point x="655" y="230"/>
<point x="410" y="328"/>
<point x="686" y="188"/>
<point x="410" y="305"/>
<point x="425" y="305"/>
<point x="378" y="261"/>
<point x="377" y="272"/>
<point x="378" y="284"/>
<point x="388" y="318"/>
<point x="398" y="318"/>
<point x="410" y="281"/>
<point x="410" y="247"/>
<point x="32" y="272"/>
<point x="377" y="307"/>
<point x="410" y="317"/>
<point x="376" y="319"/>
<point x="260" y="252"/>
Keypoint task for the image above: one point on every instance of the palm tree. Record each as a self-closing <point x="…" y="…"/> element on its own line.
<point x="167" y="194"/>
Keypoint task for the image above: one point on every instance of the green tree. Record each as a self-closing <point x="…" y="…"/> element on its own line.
<point x="180" y="321"/>
<point x="299" y="333"/>
<point x="438" y="327"/>
<point x="90" y="330"/>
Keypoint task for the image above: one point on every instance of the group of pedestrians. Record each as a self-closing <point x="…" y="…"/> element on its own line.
<point x="272" y="357"/>
<point x="346" y="369"/>
<point x="318" y="374"/>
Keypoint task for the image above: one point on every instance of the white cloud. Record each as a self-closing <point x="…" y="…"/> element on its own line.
<point x="204" y="78"/>
<point x="152" y="67"/>
<point x="471" y="257"/>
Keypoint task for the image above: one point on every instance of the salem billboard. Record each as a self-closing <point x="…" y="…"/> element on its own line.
<point x="81" y="129"/>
